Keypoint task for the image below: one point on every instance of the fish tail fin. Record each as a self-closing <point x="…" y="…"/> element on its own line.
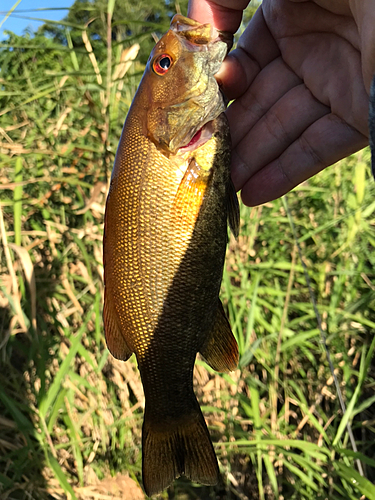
<point x="183" y="447"/>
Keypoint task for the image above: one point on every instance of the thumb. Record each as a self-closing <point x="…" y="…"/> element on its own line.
<point x="224" y="15"/>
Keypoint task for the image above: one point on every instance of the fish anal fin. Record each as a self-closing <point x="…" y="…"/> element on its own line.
<point x="116" y="342"/>
<point x="233" y="211"/>
<point x="181" y="448"/>
<point x="220" y="350"/>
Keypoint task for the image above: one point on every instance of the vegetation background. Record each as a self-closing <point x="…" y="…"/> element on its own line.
<point x="70" y="414"/>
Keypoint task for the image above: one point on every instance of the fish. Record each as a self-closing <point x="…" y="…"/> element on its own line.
<point x="166" y="230"/>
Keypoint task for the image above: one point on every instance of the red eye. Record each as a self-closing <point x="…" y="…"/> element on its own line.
<point x="162" y="64"/>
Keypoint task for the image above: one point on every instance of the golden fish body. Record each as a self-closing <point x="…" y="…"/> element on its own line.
<point x="164" y="247"/>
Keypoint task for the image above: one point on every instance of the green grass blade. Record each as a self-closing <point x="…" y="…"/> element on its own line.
<point x="23" y="423"/>
<point x="55" y="466"/>
<point x="361" y="483"/>
<point x="48" y="399"/>
<point x="110" y="7"/>
<point x="9" y="13"/>
<point x="271" y="473"/>
<point x="73" y="55"/>
<point x="299" y="473"/>
<point x="349" y="413"/>
<point x="17" y="201"/>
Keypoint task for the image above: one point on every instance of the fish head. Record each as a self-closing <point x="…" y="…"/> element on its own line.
<point x="181" y="90"/>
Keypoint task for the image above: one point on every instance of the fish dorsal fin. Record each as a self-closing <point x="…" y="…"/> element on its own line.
<point x="220" y="350"/>
<point x="116" y="342"/>
<point x="233" y="211"/>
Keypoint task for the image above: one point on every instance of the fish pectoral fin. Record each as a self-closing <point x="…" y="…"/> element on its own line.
<point x="220" y="350"/>
<point x="181" y="447"/>
<point x="116" y="342"/>
<point x="191" y="191"/>
<point x="233" y="211"/>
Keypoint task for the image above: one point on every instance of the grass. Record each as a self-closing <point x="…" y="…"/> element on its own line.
<point x="70" y="414"/>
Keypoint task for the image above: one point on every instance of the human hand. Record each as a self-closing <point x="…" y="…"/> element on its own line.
<point x="300" y="77"/>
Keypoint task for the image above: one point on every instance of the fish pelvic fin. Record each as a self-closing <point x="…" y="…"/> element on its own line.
<point x="114" y="337"/>
<point x="179" y="448"/>
<point x="220" y="349"/>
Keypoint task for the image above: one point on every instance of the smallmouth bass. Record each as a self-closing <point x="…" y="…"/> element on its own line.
<point x="165" y="238"/>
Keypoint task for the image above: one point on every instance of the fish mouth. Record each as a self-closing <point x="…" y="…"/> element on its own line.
<point x="203" y="135"/>
<point x="199" y="34"/>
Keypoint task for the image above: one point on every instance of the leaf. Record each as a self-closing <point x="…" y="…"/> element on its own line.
<point x="73" y="55"/>
<point x="271" y="473"/>
<point x="356" y="455"/>
<point x="9" y="12"/>
<point x="349" y="413"/>
<point x="28" y="268"/>
<point x="356" y="480"/>
<point x="360" y="181"/>
<point x="55" y="466"/>
<point x="51" y="21"/>
<point x="17" y="201"/>
<point x="56" y="409"/>
<point x="110" y="7"/>
<point x="48" y="399"/>
<point x="254" y="395"/>
<point x="367" y="212"/>
<point x="299" y="473"/>
<point x="24" y="424"/>
<point x="14" y="298"/>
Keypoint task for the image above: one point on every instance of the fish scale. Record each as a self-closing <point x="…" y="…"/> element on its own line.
<point x="164" y="247"/>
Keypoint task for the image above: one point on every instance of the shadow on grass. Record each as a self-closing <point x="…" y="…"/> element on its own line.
<point x="26" y="359"/>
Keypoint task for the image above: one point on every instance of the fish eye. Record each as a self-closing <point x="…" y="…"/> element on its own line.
<point x="162" y="64"/>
